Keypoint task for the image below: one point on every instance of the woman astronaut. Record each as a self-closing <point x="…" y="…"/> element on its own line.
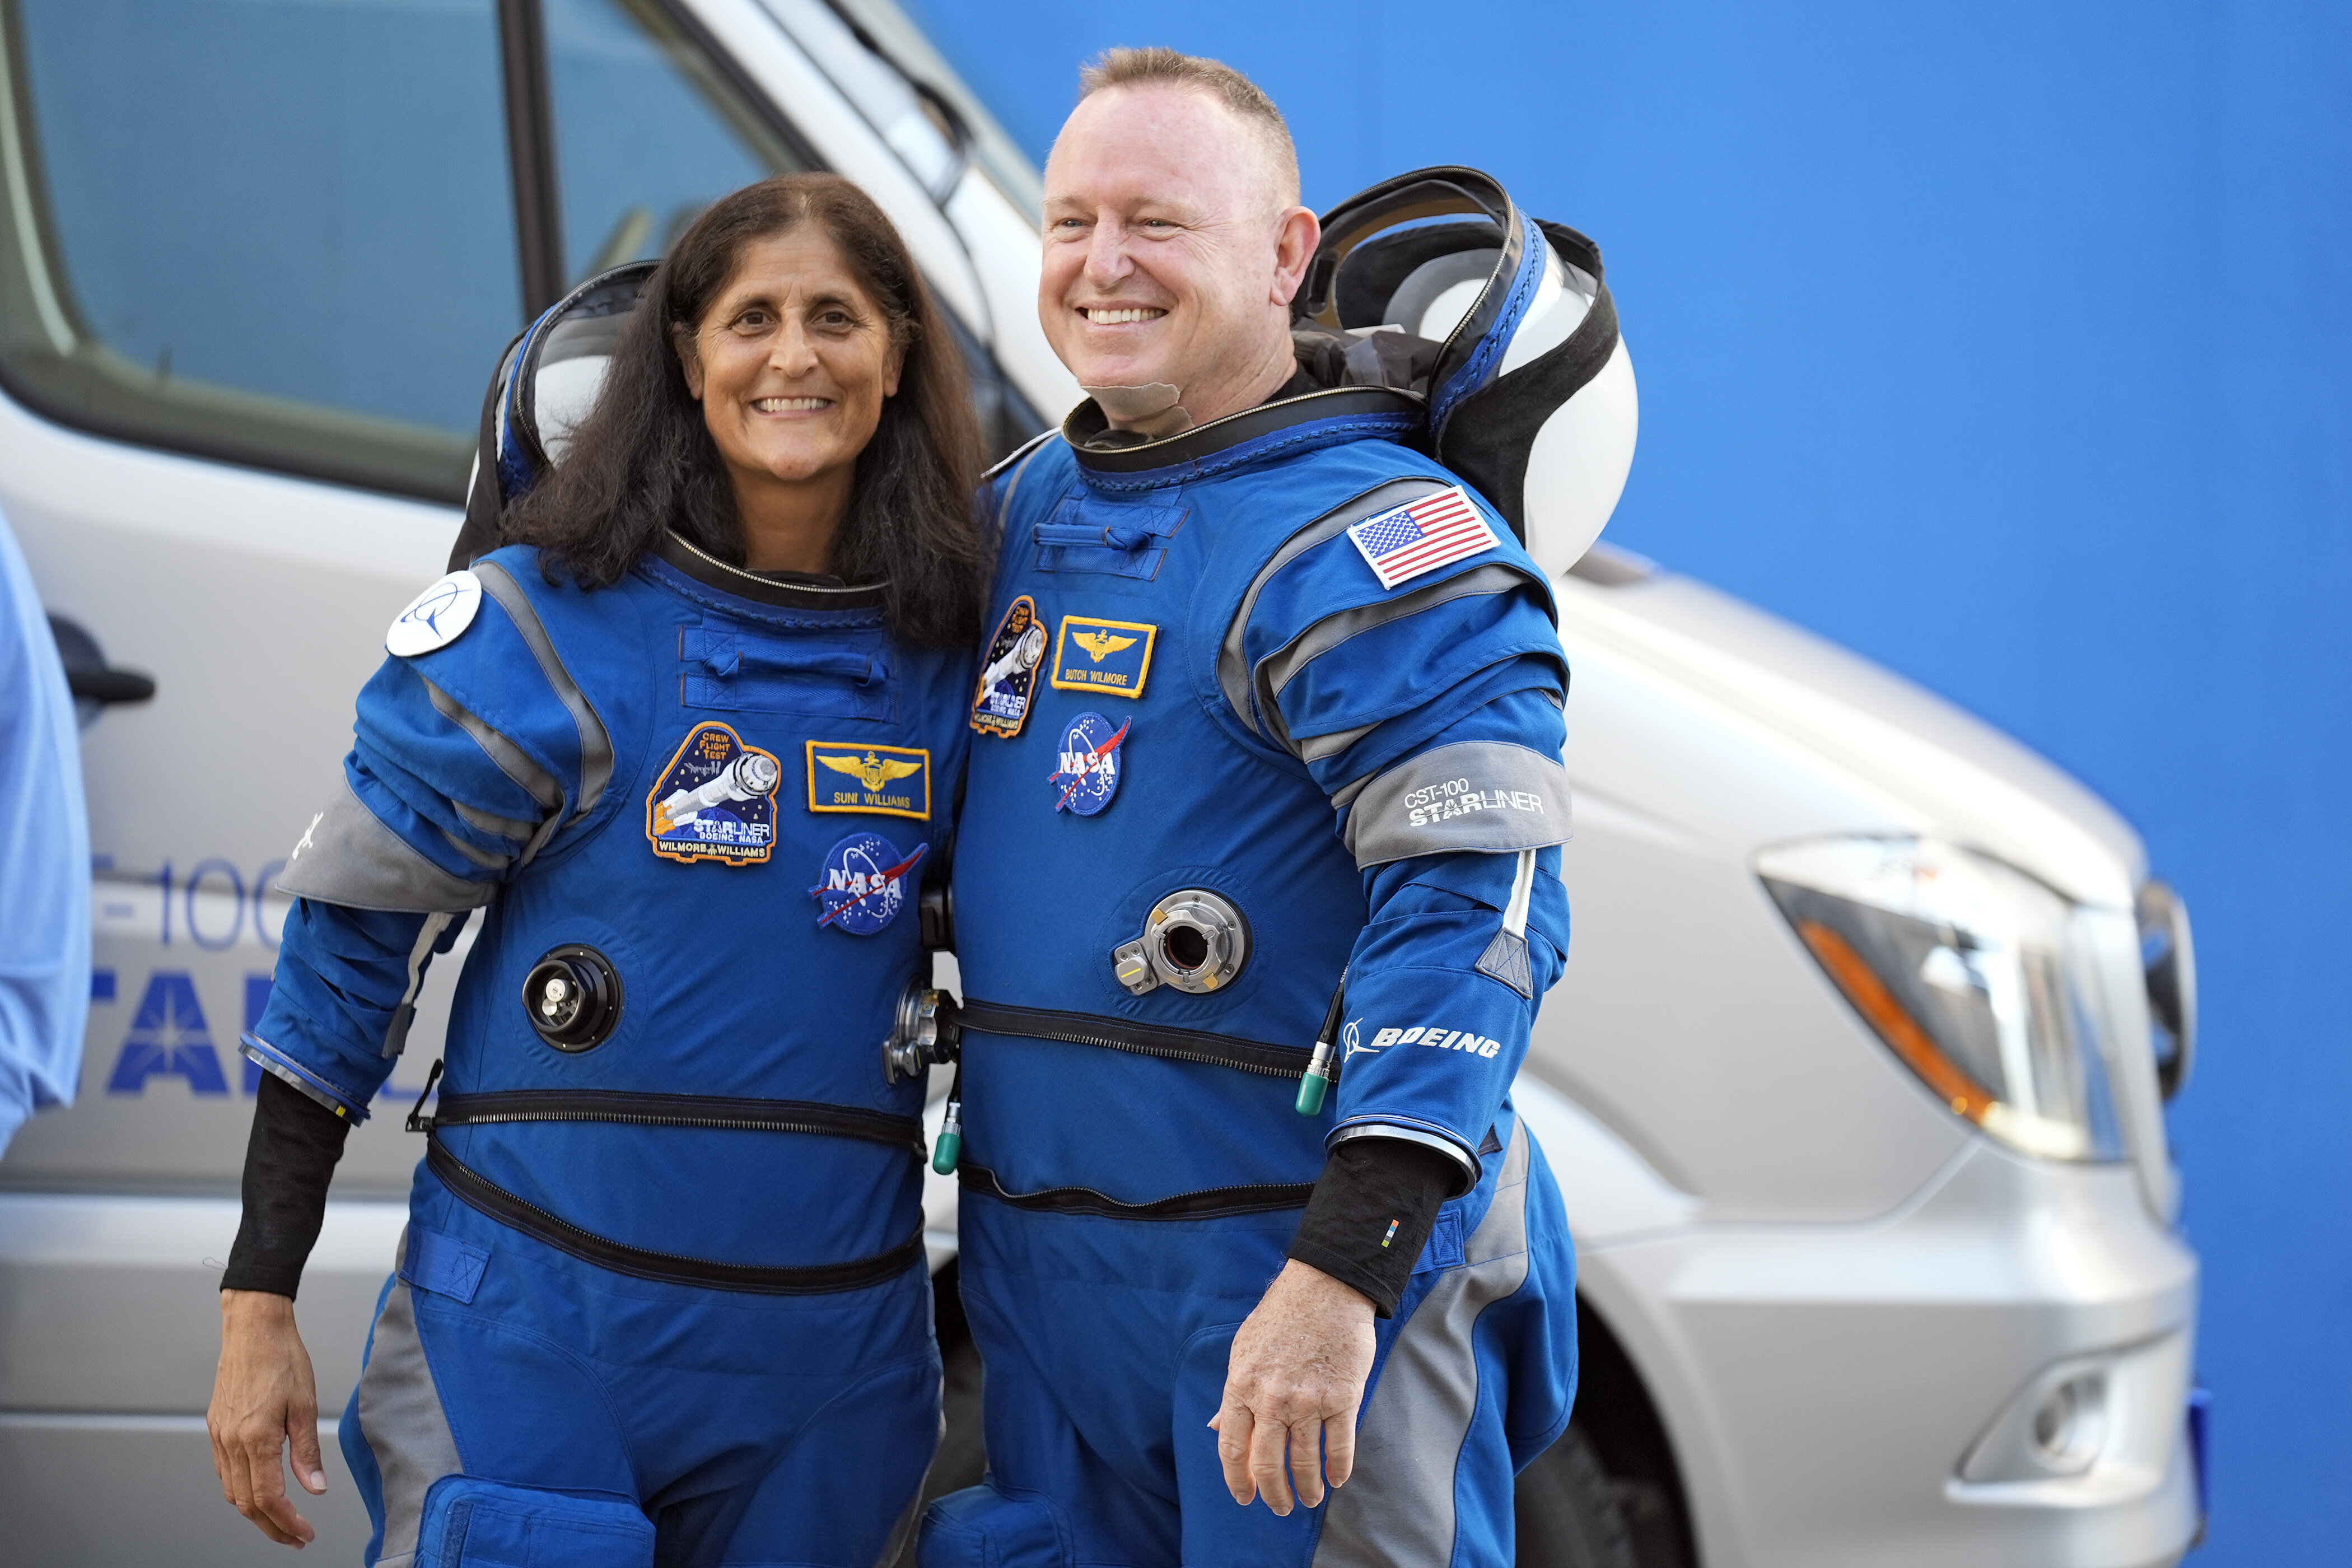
<point x="662" y="1290"/>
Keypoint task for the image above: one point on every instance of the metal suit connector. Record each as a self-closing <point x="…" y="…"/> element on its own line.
<point x="924" y="1033"/>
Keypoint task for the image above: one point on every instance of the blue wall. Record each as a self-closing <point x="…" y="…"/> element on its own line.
<point x="2009" y="344"/>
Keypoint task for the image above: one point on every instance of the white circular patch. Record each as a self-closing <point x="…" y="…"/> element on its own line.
<point x="435" y="617"/>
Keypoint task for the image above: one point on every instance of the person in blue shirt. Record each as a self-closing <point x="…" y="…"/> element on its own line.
<point x="44" y="860"/>
<point x="1270" y="698"/>
<point x="690" y="749"/>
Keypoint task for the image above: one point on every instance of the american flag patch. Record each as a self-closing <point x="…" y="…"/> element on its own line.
<point x="1420" y="536"/>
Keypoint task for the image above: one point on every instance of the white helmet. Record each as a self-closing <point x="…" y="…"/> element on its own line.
<point x="1529" y="389"/>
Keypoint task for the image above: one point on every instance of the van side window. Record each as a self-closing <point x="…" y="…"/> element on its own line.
<point x="279" y="233"/>
<point x="647" y="133"/>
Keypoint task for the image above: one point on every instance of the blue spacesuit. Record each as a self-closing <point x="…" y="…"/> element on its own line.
<point x="663" y="1277"/>
<point x="1299" y="710"/>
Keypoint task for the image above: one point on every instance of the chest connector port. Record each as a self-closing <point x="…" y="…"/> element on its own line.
<point x="573" y="998"/>
<point x="1193" y="940"/>
<point x="924" y="1033"/>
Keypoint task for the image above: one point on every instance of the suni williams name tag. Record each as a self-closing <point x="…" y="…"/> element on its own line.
<point x="886" y="781"/>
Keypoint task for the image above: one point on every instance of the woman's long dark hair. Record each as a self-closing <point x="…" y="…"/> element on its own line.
<point x="644" y="461"/>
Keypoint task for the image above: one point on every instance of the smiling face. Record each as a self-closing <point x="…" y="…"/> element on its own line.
<point x="1172" y="249"/>
<point x="791" y="363"/>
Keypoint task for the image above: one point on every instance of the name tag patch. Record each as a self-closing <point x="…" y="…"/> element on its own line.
<point x="864" y="883"/>
<point x="715" y="801"/>
<point x="1091" y="768"/>
<point x="1094" y="655"/>
<point x="886" y="781"/>
<point x="1008" y="675"/>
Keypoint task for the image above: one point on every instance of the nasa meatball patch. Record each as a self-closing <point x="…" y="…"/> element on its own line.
<point x="715" y="801"/>
<point x="864" y="883"/>
<point x="1090" y="765"/>
<point x="435" y="617"/>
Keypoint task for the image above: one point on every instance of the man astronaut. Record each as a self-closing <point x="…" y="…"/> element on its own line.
<point x="1301" y="715"/>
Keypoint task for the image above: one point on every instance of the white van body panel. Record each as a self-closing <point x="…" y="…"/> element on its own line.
<point x="1838" y="1295"/>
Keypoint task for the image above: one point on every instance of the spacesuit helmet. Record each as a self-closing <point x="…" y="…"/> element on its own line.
<point x="546" y="383"/>
<point x="1437" y="282"/>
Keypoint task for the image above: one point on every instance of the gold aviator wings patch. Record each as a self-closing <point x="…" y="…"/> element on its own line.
<point x="872" y="772"/>
<point x="1100" y="645"/>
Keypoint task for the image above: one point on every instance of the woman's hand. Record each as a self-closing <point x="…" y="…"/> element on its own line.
<point x="264" y="1395"/>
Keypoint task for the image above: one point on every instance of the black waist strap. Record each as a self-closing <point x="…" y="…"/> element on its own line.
<point x="1212" y="1203"/>
<point x="811" y="1279"/>
<point x="1146" y="1039"/>
<point x="677" y="1110"/>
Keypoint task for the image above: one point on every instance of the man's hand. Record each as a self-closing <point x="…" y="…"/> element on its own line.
<point x="1293" y="1383"/>
<point x="264" y="1396"/>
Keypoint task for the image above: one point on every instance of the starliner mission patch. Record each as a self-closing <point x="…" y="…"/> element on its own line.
<point x="1008" y="677"/>
<point x="1094" y="655"/>
<point x="886" y="781"/>
<point x="715" y="801"/>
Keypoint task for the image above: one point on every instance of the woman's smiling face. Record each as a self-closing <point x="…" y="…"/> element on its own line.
<point x="791" y="363"/>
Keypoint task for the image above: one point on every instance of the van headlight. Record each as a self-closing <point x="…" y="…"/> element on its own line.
<point x="2170" y="960"/>
<point x="1991" y="986"/>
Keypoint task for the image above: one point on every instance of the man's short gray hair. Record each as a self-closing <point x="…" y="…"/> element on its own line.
<point x="1244" y="98"/>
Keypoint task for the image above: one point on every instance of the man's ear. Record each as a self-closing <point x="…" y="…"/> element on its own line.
<point x="689" y="360"/>
<point x="1293" y="246"/>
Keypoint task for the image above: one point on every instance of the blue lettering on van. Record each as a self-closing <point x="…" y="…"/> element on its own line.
<point x="169" y="1036"/>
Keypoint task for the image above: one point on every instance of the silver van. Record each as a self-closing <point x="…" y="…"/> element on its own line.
<point x="1853" y="1085"/>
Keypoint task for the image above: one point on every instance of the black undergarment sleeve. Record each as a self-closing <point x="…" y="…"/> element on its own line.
<point x="1367" y="1185"/>
<point x="290" y="1159"/>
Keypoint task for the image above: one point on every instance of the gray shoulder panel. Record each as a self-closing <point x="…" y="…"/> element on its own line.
<point x="1485" y="797"/>
<point x="1279" y="668"/>
<point x="1399" y="1506"/>
<point x="496" y="827"/>
<point x="402" y="1421"/>
<point x="595" y="742"/>
<point x="1233" y="669"/>
<point x="512" y="761"/>
<point x="349" y="857"/>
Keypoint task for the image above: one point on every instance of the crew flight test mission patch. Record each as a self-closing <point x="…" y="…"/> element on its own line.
<point x="715" y="801"/>
<point x="1008" y="676"/>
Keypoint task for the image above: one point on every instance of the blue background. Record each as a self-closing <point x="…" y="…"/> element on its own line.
<point x="2006" y="343"/>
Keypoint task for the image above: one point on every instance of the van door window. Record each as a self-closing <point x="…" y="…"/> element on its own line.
<point x="648" y="131"/>
<point x="276" y="231"/>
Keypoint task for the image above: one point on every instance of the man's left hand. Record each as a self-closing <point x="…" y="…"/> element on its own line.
<point x="1293" y="1385"/>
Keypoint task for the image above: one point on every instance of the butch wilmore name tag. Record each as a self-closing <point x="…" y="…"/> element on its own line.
<point x="1094" y="655"/>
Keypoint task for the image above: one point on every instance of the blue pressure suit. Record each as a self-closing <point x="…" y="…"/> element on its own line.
<point x="662" y="1290"/>
<point x="1280" y="668"/>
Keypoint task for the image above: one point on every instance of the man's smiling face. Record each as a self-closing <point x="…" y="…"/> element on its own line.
<point x="1172" y="251"/>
